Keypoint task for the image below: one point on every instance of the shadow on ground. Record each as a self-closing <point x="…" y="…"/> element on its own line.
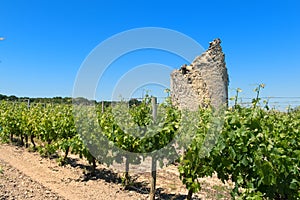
<point x="112" y="177"/>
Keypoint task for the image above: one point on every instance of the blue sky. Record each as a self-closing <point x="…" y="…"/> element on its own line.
<point x="47" y="41"/>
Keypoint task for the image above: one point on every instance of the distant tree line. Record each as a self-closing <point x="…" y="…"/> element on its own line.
<point x="62" y="100"/>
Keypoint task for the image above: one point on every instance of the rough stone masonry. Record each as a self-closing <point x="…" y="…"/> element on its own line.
<point x="203" y="82"/>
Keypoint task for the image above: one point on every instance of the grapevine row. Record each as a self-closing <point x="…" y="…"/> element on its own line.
<point x="256" y="148"/>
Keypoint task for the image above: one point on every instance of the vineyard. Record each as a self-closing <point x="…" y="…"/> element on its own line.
<point x="256" y="148"/>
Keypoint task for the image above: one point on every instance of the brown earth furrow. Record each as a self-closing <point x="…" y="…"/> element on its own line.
<point x="61" y="180"/>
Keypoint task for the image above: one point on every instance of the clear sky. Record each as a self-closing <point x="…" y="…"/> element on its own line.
<point x="46" y="41"/>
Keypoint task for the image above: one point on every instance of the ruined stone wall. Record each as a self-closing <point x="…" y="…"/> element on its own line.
<point x="203" y="82"/>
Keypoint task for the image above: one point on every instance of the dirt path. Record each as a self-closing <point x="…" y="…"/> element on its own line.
<point x="26" y="175"/>
<point x="65" y="181"/>
<point x="16" y="185"/>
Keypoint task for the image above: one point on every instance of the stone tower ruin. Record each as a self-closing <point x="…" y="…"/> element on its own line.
<point x="203" y="82"/>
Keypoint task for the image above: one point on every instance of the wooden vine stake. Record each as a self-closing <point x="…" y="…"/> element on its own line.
<point x="153" y="164"/>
